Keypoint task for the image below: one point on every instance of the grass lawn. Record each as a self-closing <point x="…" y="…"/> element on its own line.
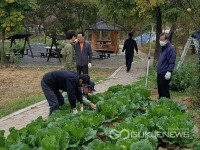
<point x="20" y="87"/>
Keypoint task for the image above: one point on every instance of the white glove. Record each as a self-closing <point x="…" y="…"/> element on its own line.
<point x="89" y="65"/>
<point x="81" y="107"/>
<point x="168" y="75"/>
<point x="74" y="111"/>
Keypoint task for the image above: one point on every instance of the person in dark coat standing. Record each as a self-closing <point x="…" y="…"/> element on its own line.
<point x="129" y="46"/>
<point x="67" y="81"/>
<point x="83" y="54"/>
<point x="165" y="67"/>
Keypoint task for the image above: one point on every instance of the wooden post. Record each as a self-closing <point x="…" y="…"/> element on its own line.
<point x="100" y="35"/>
<point x="29" y="47"/>
<point x="50" y="50"/>
<point x="94" y="39"/>
<point x="115" y="40"/>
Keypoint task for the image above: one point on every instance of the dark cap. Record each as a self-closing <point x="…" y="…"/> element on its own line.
<point x="91" y="86"/>
<point x="85" y="78"/>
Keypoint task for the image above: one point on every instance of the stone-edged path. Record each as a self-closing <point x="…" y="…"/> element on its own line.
<point x="23" y="117"/>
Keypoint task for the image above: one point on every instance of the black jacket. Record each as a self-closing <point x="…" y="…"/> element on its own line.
<point x="84" y="57"/>
<point x="129" y="45"/>
<point x="66" y="81"/>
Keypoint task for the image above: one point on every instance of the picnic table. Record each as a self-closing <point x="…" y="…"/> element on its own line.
<point x="53" y="51"/>
<point x="104" y="53"/>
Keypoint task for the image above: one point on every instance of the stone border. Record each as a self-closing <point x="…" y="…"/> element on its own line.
<point x="115" y="73"/>
<point x="44" y="101"/>
<point x="22" y="110"/>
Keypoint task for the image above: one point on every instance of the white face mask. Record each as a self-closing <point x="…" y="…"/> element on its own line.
<point x="163" y="43"/>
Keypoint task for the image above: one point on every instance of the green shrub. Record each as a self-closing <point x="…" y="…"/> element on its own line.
<point x="15" y="58"/>
<point x="194" y="90"/>
<point x="185" y="77"/>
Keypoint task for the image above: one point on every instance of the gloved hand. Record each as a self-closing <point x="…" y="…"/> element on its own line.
<point x="168" y="75"/>
<point x="74" y="111"/>
<point x="89" y="65"/>
<point x="81" y="107"/>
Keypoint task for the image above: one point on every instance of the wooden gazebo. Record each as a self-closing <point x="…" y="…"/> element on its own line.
<point x="110" y="44"/>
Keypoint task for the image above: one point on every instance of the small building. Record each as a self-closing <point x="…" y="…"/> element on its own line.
<point x="110" y="42"/>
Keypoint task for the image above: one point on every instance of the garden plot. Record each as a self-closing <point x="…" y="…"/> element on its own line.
<point x="125" y="119"/>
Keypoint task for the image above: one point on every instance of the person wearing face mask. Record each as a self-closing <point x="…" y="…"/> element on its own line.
<point x="86" y="95"/>
<point x="87" y="90"/>
<point x="165" y="66"/>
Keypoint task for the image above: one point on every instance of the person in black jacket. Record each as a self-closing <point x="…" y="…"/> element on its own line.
<point x="129" y="45"/>
<point x="83" y="54"/>
<point x="67" y="81"/>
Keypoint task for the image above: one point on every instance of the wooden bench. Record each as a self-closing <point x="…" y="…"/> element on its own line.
<point x="108" y="55"/>
<point x="104" y="53"/>
<point x="9" y="55"/>
<point x="101" y="56"/>
<point x="104" y="56"/>
<point x="42" y="55"/>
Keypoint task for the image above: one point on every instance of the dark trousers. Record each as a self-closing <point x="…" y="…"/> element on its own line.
<point x="163" y="86"/>
<point x="82" y="69"/>
<point x="54" y="98"/>
<point x="129" y="60"/>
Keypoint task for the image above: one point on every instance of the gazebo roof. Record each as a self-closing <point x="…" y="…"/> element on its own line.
<point x="19" y="36"/>
<point x="103" y="25"/>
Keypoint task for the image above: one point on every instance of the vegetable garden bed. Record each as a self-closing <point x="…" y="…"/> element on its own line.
<point x="125" y="119"/>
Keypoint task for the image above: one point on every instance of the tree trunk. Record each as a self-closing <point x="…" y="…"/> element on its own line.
<point x="3" y="58"/>
<point x="172" y="31"/>
<point x="39" y="28"/>
<point x="198" y="87"/>
<point x="141" y="36"/>
<point x="158" y="32"/>
<point x="45" y="38"/>
<point x="27" y="29"/>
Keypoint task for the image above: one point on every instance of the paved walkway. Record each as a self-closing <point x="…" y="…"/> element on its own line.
<point x="23" y="117"/>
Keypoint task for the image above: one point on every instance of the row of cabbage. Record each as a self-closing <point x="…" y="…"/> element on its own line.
<point x="139" y="123"/>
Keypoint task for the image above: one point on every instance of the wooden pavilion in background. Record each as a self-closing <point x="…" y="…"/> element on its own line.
<point x="99" y="42"/>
